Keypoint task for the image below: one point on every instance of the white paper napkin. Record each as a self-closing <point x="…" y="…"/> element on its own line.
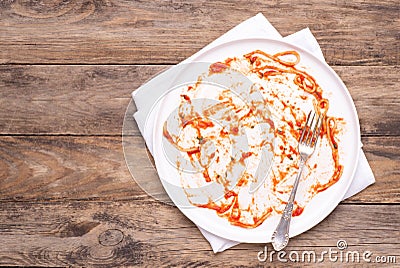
<point x="255" y="27"/>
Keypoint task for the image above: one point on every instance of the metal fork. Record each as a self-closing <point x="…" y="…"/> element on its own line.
<point x="307" y="143"/>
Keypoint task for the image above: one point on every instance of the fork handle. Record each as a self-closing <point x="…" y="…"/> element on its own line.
<point x="280" y="237"/>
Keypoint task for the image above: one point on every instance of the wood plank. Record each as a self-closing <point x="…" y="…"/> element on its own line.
<point x="94" y="168"/>
<point x="67" y="99"/>
<point x="375" y="93"/>
<point x="109" y="234"/>
<point x="38" y="167"/>
<point x="92" y="100"/>
<point x="383" y="158"/>
<point x="362" y="32"/>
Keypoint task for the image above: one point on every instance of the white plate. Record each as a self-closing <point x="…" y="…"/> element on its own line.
<point x="341" y="105"/>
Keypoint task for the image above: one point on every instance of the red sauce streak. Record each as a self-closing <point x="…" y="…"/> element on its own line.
<point x="229" y="194"/>
<point x="235" y="130"/>
<point x="220" y="209"/>
<point x="193" y="151"/>
<point x="206" y="175"/>
<point x="167" y="135"/>
<point x="297" y="211"/>
<point x="186" y="97"/>
<point x="228" y="61"/>
<point x="270" y="123"/>
<point x="244" y="156"/>
<point x="217" y="67"/>
<point x="271" y="73"/>
<point x="243" y="181"/>
<point x="204" y="124"/>
<point x="223" y="133"/>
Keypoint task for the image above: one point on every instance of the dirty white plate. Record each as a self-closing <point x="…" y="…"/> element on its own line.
<point x="341" y="105"/>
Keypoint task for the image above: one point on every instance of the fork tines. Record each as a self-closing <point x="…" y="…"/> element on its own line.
<point x="312" y="129"/>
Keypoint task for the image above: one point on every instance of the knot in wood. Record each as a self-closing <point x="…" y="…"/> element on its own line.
<point x="111" y="237"/>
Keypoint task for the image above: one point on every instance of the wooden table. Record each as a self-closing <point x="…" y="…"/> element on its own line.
<point x="67" y="69"/>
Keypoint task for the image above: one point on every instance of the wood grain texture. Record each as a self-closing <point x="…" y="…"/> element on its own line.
<point x="93" y="168"/>
<point x="148" y="32"/>
<point x="92" y="100"/>
<point x="67" y="68"/>
<point x="65" y="168"/>
<point x="150" y="234"/>
<point x="68" y="99"/>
